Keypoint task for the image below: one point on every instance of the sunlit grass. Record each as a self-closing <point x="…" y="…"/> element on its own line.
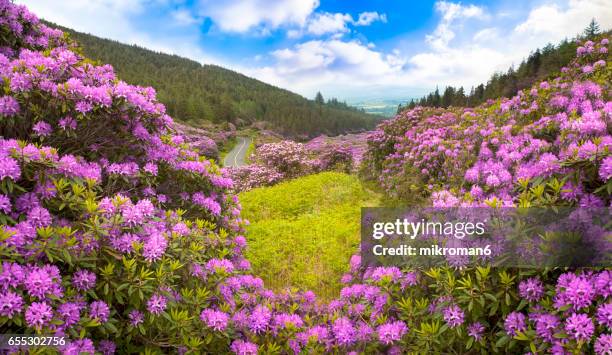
<point x="304" y="231"/>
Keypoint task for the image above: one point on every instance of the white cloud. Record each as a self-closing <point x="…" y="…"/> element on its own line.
<point x="314" y="64"/>
<point x="463" y="49"/>
<point x="243" y="15"/>
<point x="322" y="23"/>
<point x="111" y="16"/>
<point x="556" y="22"/>
<point x="368" y="17"/>
<point x="184" y="17"/>
<point x="484" y="50"/>
<point x="336" y="24"/>
<point x="486" y="34"/>
<point x="451" y="13"/>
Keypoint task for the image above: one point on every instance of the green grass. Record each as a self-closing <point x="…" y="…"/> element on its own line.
<point x="250" y="151"/>
<point x="304" y="231"/>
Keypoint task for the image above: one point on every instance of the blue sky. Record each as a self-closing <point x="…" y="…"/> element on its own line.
<point x="350" y="49"/>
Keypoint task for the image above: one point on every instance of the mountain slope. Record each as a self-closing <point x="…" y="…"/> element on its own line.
<point x="539" y="65"/>
<point x="193" y="92"/>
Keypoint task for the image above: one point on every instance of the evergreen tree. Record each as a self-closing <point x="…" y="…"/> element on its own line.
<point x="592" y="29"/>
<point x="319" y="98"/>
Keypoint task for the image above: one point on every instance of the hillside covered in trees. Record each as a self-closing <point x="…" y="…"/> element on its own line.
<point x="193" y="92"/>
<point x="539" y="65"/>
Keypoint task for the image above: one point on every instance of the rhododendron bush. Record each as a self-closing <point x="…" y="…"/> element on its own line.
<point x="549" y="145"/>
<point x="117" y="235"/>
<point x="275" y="162"/>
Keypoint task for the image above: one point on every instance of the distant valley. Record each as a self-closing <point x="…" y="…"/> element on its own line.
<point x="379" y="106"/>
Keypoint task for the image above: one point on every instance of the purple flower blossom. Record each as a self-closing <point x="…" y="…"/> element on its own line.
<point x="83" y="107"/>
<point x="150" y="168"/>
<point x="107" y="347"/>
<point x="68" y="123"/>
<point x="39" y="282"/>
<point x="70" y="313"/>
<point x="12" y="275"/>
<point x="126" y="169"/>
<point x="8" y="106"/>
<point x="38" y="315"/>
<point x="84" y="280"/>
<point x="241" y="347"/>
<point x="355" y="262"/>
<point x="132" y="216"/>
<point x="181" y="229"/>
<point x="78" y="347"/>
<point x="259" y="319"/>
<point x="603" y="283"/>
<point x="344" y="331"/>
<point x="136" y="317"/>
<point x="453" y="316"/>
<point x="27" y="202"/>
<point x="605" y="170"/>
<point x="578" y="292"/>
<point x="391" y="332"/>
<point x="99" y="310"/>
<point x="214" y="319"/>
<point x="39" y="217"/>
<point x="42" y="129"/>
<point x="515" y="322"/>
<point x="604" y="315"/>
<point x="9" y="168"/>
<point x="10" y="304"/>
<point x="207" y="202"/>
<point x="125" y="242"/>
<point x="392" y="273"/>
<point x="156" y="304"/>
<point x="546" y="325"/>
<point x="579" y="326"/>
<point x="154" y="247"/>
<point x="219" y="265"/>
<point x="531" y="289"/>
<point x="603" y="345"/>
<point x="476" y="330"/>
<point x="5" y="204"/>
<point x="285" y="320"/>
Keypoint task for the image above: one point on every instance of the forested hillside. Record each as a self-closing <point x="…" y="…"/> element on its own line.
<point x="539" y="65"/>
<point x="193" y="92"/>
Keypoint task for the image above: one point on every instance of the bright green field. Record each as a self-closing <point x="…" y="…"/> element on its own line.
<point x="304" y="231"/>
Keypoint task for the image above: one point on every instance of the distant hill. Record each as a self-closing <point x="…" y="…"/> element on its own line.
<point x="193" y="92"/>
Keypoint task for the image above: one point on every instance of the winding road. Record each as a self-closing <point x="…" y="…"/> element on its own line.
<point x="235" y="157"/>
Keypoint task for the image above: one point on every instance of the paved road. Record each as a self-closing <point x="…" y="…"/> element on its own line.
<point x="235" y="157"/>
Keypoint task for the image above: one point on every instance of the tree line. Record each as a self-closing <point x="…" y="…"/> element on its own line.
<point x="538" y="66"/>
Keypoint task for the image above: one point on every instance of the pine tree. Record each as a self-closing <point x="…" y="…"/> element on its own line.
<point x="592" y="29"/>
<point x="319" y="98"/>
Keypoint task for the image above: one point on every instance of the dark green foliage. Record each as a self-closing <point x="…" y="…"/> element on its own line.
<point x="538" y="66"/>
<point x="193" y="92"/>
